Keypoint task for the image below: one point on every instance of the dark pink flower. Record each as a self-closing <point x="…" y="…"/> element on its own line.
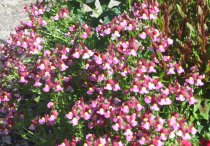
<point x="185" y="143"/>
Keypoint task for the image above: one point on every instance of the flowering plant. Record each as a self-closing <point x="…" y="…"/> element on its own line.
<point x="114" y="84"/>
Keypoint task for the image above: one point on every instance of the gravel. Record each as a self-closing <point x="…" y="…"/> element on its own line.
<point x="11" y="14"/>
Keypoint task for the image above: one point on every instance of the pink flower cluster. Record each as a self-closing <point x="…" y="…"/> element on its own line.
<point x="146" y="11"/>
<point x="130" y="109"/>
<point x="117" y="25"/>
<point x="62" y="14"/>
<point x="130" y="119"/>
<point x="7" y="111"/>
<point x="48" y="119"/>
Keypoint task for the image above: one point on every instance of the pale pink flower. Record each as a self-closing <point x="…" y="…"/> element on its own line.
<point x="42" y="121"/>
<point x="115" y="127"/>
<point x="50" y="105"/>
<point x="74" y="121"/>
<point x="143" y="35"/>
<point x="190" y="80"/>
<point x="46" y="88"/>
<point x="69" y="115"/>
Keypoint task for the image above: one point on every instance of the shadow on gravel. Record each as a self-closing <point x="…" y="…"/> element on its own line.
<point x="2" y="41"/>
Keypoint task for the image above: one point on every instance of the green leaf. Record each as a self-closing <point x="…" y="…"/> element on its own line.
<point x="196" y="106"/>
<point x="37" y="99"/>
<point x="98" y="10"/>
<point x="113" y="3"/>
<point x="200" y="11"/>
<point x="86" y="8"/>
<point x="89" y="1"/>
<point x="180" y="11"/>
<point x="199" y="126"/>
<point x="204" y="111"/>
<point x="95" y="12"/>
<point x="192" y="30"/>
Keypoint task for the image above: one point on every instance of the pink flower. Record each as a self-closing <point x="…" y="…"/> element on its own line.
<point x="84" y="35"/>
<point x="133" y="52"/>
<point x="170" y="41"/>
<point x="85" y="56"/>
<point x="158" y="127"/>
<point x="142" y="141"/>
<point x="185" y="143"/>
<point x="116" y="87"/>
<point x="63" y="67"/>
<point x="69" y="115"/>
<point x="125" y="109"/>
<point x="204" y="142"/>
<point x="134" y="123"/>
<point x="50" y="105"/>
<point x="180" y="97"/>
<point x="129" y="134"/>
<point x="115" y="127"/>
<point x="134" y="89"/>
<point x="90" y="91"/>
<point x="154" y="107"/>
<point x="190" y="80"/>
<point x="62" y="144"/>
<point x="101" y="111"/>
<point x="163" y="136"/>
<point x="23" y="80"/>
<point x="129" y="27"/>
<point x="148" y="99"/>
<point x="63" y="13"/>
<point x="115" y="35"/>
<point x="87" y="115"/>
<point x="32" y="127"/>
<point x="37" y="84"/>
<point x="56" y="17"/>
<point x="144" y="16"/>
<point x="143" y="35"/>
<point x="52" y="118"/>
<point x="180" y="69"/>
<point x="193" y="130"/>
<point x="72" y="28"/>
<point x="76" y="54"/>
<point x="46" y="88"/>
<point x="139" y="107"/>
<point x="108" y="87"/>
<point x="161" y="48"/>
<point x="199" y="82"/>
<point x="171" y="71"/>
<point x="58" y="88"/>
<point x="151" y="69"/>
<point x="42" y="121"/>
<point x="166" y="91"/>
<point x="41" y="66"/>
<point x="107" y="31"/>
<point x="172" y="135"/>
<point x="146" y="125"/>
<point x="192" y="100"/>
<point x="74" y="121"/>
<point x="24" y="45"/>
<point x="143" y="90"/>
<point x="168" y="101"/>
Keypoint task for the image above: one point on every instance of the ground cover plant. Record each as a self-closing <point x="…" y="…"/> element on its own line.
<point x="105" y="73"/>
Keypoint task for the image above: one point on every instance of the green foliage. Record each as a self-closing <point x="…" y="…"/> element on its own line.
<point x="188" y="26"/>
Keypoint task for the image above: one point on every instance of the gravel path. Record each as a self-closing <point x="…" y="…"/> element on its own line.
<point x="11" y="13"/>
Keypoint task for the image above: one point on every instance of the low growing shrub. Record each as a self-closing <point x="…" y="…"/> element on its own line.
<point x="67" y="82"/>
